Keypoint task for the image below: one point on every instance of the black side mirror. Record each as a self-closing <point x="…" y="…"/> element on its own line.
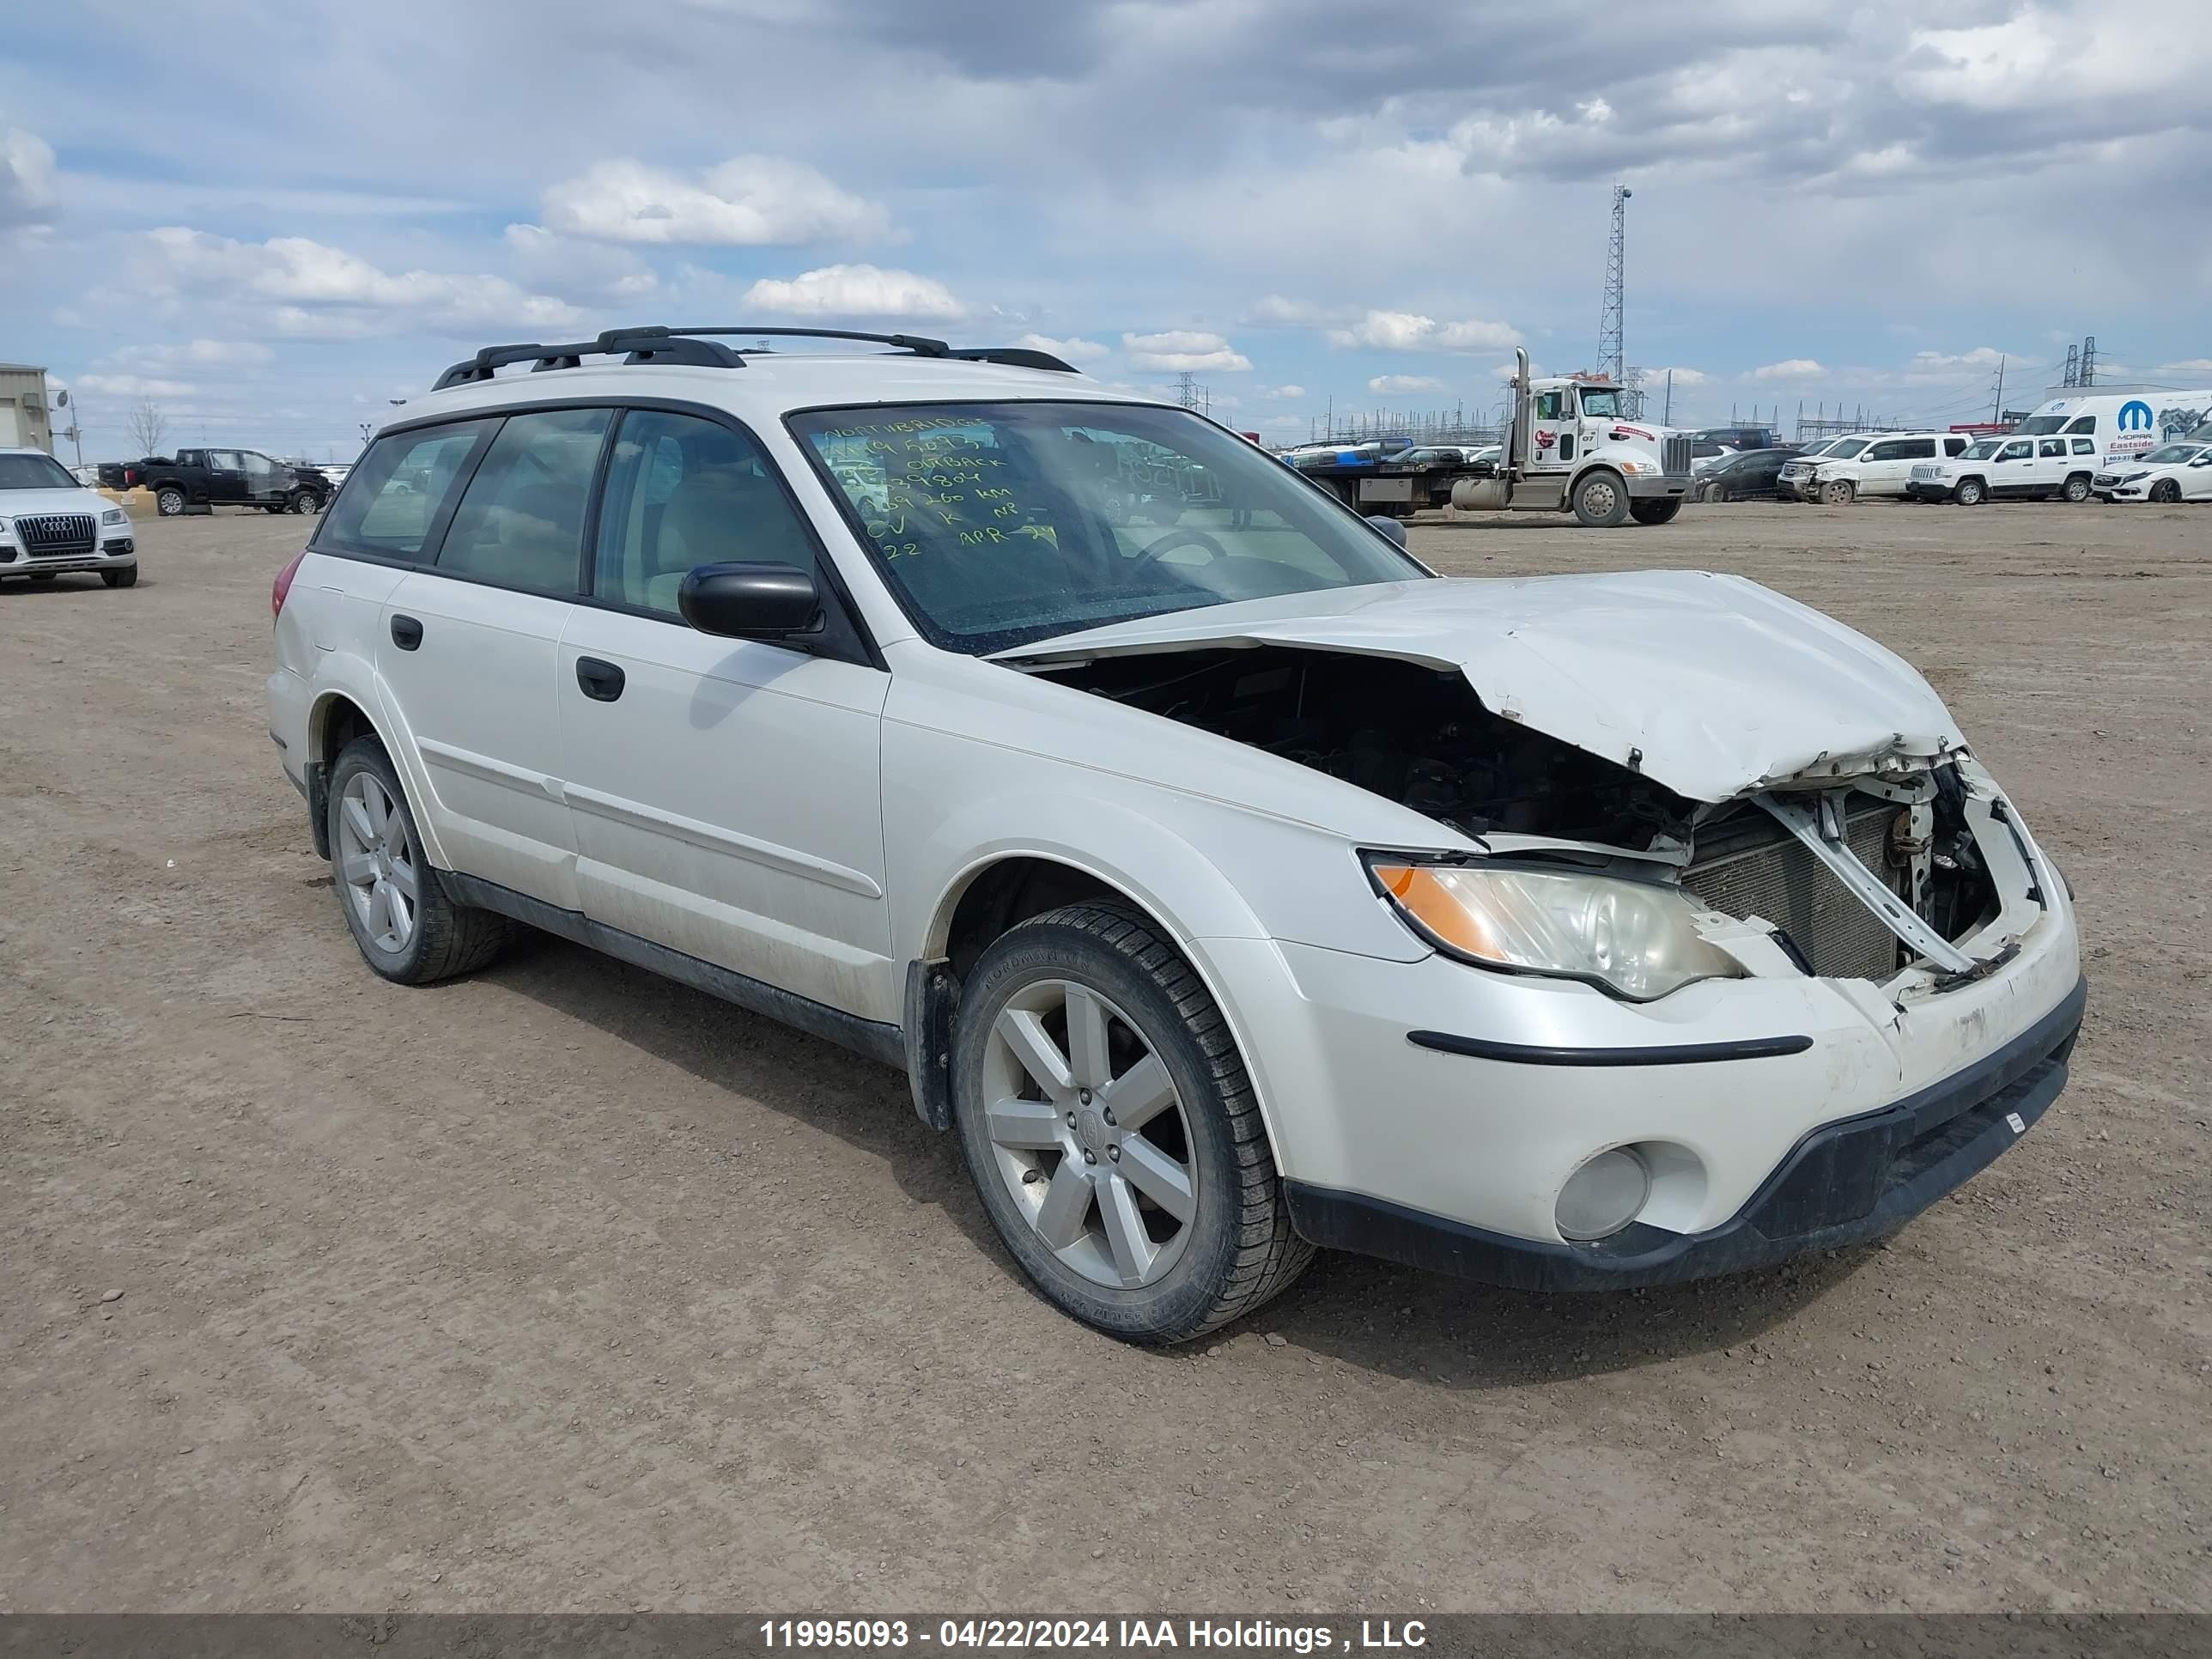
<point x="1389" y="527"/>
<point x="749" y="601"/>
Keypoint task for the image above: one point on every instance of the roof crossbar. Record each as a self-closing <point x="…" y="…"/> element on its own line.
<point x="919" y="345"/>
<point x="487" y="362"/>
<point x="658" y="343"/>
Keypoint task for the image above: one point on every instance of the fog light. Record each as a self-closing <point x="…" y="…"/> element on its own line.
<point x="1604" y="1196"/>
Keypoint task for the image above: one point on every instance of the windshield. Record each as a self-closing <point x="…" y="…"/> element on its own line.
<point x="2035" y="425"/>
<point x="2172" y="455"/>
<point x="1601" y="405"/>
<point x="1820" y="448"/>
<point x="999" y="524"/>
<point x="34" y="472"/>
<point x="1843" y="448"/>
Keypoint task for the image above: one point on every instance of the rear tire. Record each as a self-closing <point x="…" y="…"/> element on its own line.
<point x="1155" y="1277"/>
<point x="1654" y="511"/>
<point x="416" y="937"/>
<point x="120" y="578"/>
<point x="1601" y="499"/>
<point x="2077" y="489"/>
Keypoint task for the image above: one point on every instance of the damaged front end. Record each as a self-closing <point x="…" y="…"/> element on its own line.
<point x="1908" y="871"/>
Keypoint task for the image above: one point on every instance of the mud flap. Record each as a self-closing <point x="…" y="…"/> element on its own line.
<point x="933" y="996"/>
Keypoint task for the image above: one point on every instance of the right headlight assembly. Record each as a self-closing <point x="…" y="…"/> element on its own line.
<point x="1637" y="939"/>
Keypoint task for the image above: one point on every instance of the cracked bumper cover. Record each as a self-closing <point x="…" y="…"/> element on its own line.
<point x="1845" y="1182"/>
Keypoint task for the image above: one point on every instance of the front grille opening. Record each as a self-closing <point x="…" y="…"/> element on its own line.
<point x="1748" y="865"/>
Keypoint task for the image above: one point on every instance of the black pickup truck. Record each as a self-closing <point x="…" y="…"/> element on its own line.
<point x="227" y="478"/>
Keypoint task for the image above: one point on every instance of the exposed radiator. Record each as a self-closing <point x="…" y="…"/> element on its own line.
<point x="1781" y="881"/>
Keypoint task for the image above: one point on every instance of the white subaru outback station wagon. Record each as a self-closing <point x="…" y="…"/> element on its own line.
<point x="1229" y="883"/>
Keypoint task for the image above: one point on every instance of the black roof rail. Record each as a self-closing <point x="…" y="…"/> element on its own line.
<point x="640" y="345"/>
<point x="658" y="343"/>
<point x="1016" y="357"/>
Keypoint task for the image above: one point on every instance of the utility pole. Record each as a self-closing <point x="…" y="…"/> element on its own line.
<point x="1996" y="408"/>
<point x="1612" y="359"/>
<point x="1666" y="415"/>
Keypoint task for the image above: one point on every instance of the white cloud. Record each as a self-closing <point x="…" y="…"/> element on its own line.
<point x="1177" y="351"/>
<point x="865" y="291"/>
<point x="1276" y="312"/>
<point x="1285" y="392"/>
<point x="27" y="179"/>
<point x="580" y="269"/>
<point x="1073" y="350"/>
<point x="749" y="201"/>
<point x="309" y="274"/>
<point x="1655" y="378"/>
<point x="1947" y="363"/>
<point x="1406" y="330"/>
<point x="132" y="386"/>
<point x="2191" y="366"/>
<point x="1790" y="368"/>
<point x="1387" y="385"/>
<point x="193" y="354"/>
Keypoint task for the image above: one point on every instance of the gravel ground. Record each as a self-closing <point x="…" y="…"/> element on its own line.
<point x="563" y="1287"/>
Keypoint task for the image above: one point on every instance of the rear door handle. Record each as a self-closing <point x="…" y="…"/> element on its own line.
<point x="406" y="632"/>
<point x="602" y="681"/>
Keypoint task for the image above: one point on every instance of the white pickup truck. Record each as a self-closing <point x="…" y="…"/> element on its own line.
<point x="2015" y="469"/>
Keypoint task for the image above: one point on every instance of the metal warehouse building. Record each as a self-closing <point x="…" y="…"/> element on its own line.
<point x="23" y="408"/>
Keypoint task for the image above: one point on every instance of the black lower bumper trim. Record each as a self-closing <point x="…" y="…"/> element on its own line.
<point x="1844" y="1183"/>
<point x="1679" y="1054"/>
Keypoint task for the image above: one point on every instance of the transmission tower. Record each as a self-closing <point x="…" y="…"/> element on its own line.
<point x="1611" y="358"/>
<point x="1186" y="390"/>
<point x="2073" y="366"/>
<point x="2089" y="361"/>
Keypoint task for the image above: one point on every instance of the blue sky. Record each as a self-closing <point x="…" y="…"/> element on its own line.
<point x="268" y="220"/>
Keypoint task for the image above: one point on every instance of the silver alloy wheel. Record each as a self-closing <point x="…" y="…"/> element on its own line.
<point x="376" y="863"/>
<point x="1089" y="1134"/>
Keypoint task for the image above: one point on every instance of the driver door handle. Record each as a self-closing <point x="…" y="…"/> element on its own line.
<point x="602" y="681"/>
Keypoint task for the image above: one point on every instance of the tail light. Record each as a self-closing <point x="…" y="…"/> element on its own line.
<point x="282" y="586"/>
<point x="129" y="476"/>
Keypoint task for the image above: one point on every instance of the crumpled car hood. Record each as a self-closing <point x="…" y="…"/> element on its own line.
<point x="1711" y="685"/>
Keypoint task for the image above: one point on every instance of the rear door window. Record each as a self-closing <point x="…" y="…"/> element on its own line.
<point x="1954" y="446"/>
<point x="394" y="493"/>
<point x="2084" y="447"/>
<point x="520" y="521"/>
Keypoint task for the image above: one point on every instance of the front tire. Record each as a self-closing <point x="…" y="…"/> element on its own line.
<point x="1969" y="493"/>
<point x="1654" y="511"/>
<point x="169" y="502"/>
<point x="1601" y="499"/>
<point x="1112" y="1133"/>
<point x="120" y="578"/>
<point x="407" y="929"/>
<point x="1838" y="492"/>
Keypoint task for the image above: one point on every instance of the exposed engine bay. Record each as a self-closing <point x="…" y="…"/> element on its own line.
<point x="1411" y="733"/>
<point x="1420" y="737"/>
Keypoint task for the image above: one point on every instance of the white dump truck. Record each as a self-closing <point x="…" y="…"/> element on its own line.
<point x="1572" y="451"/>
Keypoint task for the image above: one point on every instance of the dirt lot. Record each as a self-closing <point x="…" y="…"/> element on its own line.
<point x="565" y="1288"/>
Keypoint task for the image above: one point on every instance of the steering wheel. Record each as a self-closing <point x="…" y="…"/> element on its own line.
<point x="1175" y="538"/>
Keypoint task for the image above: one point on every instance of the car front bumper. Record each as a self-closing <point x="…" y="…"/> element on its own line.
<point x="1929" y="489"/>
<point x="1432" y="1112"/>
<point x="118" y="555"/>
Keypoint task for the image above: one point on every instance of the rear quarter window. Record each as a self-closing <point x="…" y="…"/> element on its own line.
<point x="395" y="493"/>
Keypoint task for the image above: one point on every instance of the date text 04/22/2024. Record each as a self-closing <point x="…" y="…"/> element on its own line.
<point x="1096" y="1635"/>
